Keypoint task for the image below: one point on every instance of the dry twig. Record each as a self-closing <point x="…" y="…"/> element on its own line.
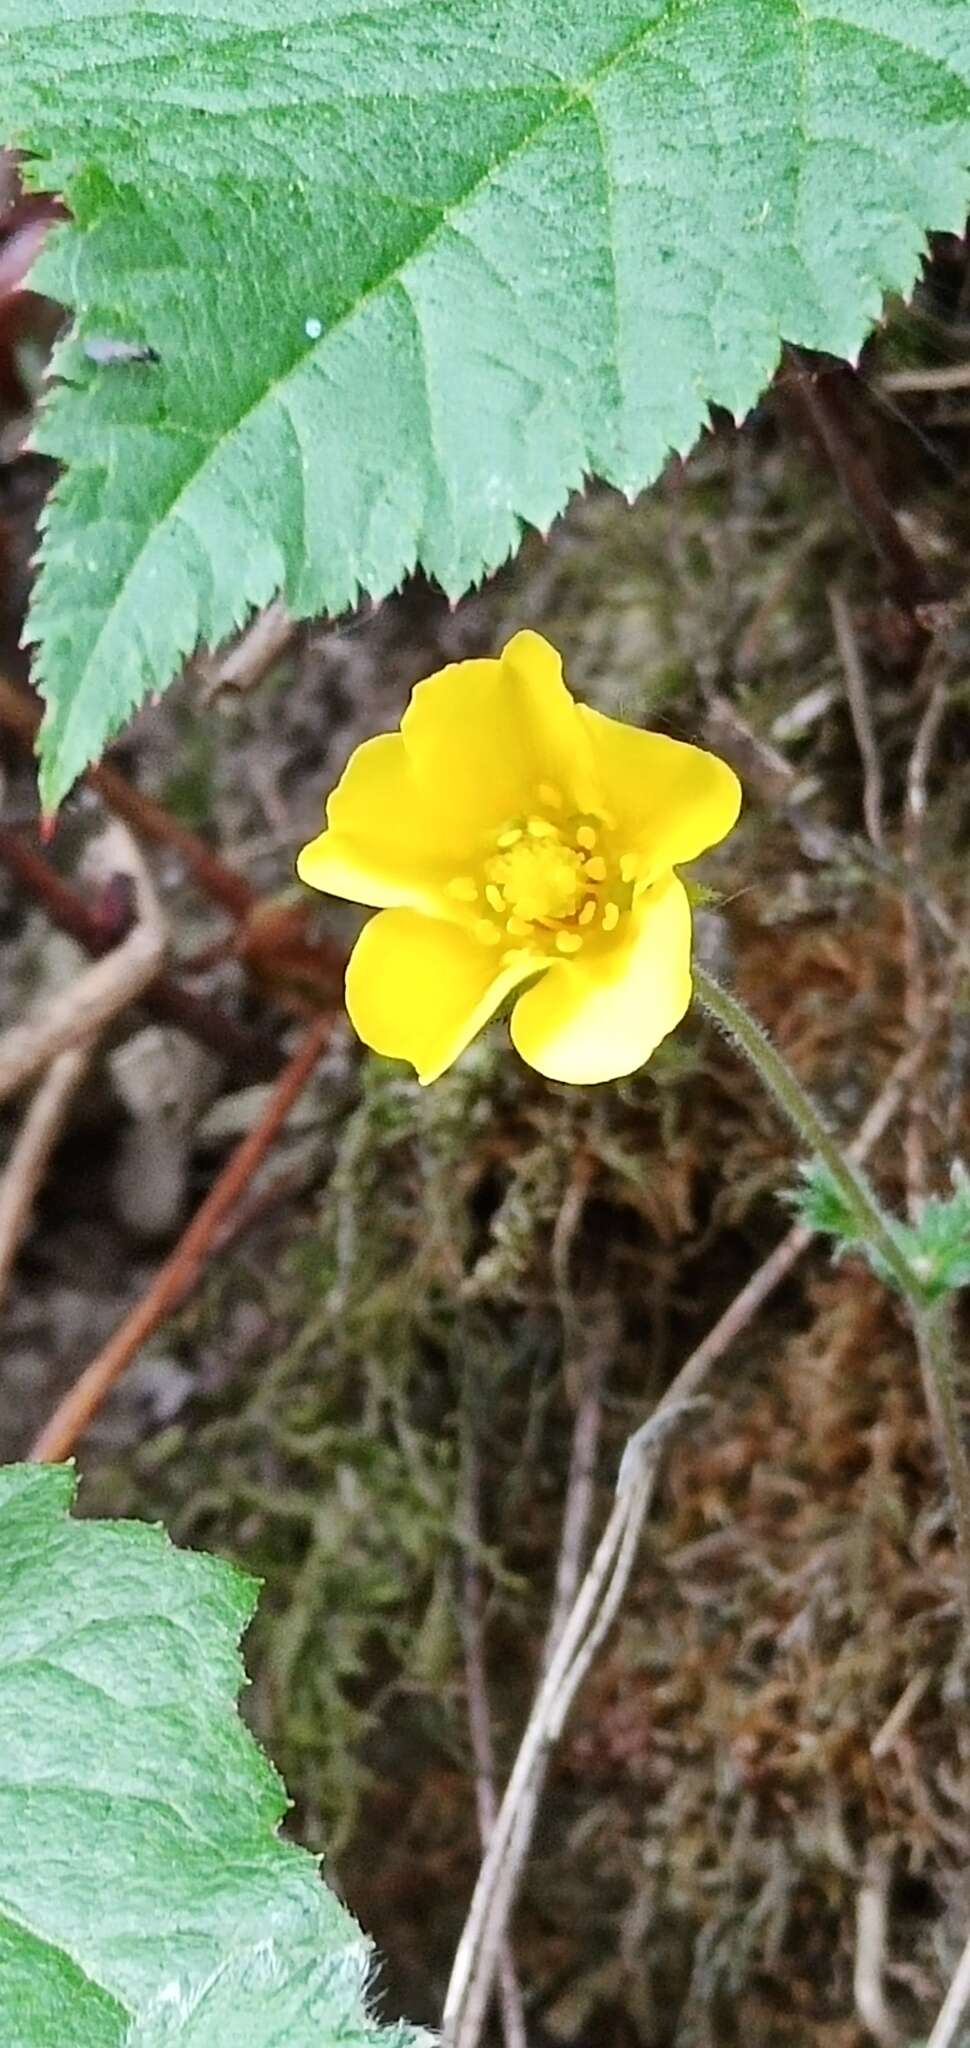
<point x="175" y="1279"/>
<point x="857" y="691"/>
<point x="472" y="1621"/>
<point x="163" y="998"/>
<point x="76" y="1014"/>
<point x="575" y="1526"/>
<point x="872" y="1925"/>
<point x="32" y="1149"/>
<point x="954" y="2005"/>
<point x="914" y="948"/>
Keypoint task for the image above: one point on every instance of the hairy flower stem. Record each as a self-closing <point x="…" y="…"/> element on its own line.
<point x="930" y="1319"/>
<point x="773" y="1071"/>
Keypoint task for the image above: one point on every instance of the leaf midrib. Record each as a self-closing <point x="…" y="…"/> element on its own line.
<point x="567" y="98"/>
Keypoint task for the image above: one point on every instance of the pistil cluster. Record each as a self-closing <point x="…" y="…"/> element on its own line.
<point x="550" y="883"/>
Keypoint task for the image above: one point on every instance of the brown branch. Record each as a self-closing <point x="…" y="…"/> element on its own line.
<point x="176" y="1278"/>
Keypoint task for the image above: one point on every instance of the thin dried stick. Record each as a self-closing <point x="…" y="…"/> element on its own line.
<point x="954" y="2005"/>
<point x="823" y="407"/>
<point x="80" y="1011"/>
<point x="32" y="1148"/>
<point x="77" y="1013"/>
<point x="946" y="377"/>
<point x="575" y="1526"/>
<point x="164" y="998"/>
<point x="175" y="1279"/>
<point x="914" y="949"/>
<point x="872" y="1926"/>
<point x="244" y="664"/>
<point x="601" y="1592"/>
<point x="857" y="691"/>
<point x="472" y="1622"/>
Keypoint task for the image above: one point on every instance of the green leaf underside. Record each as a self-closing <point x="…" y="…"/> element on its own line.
<point x="416" y="268"/>
<point x="146" y="1900"/>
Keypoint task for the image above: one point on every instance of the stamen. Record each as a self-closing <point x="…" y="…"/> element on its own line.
<point x="494" y="896"/>
<point x="487" y="932"/>
<point x="568" y="942"/>
<point x="586" y="837"/>
<point x="540" y="828"/>
<point x="629" y="867"/>
<point x="517" y="928"/>
<point x="596" y="869"/>
<point x="588" y="911"/>
<point x="510" y="837"/>
<point x="549" y="795"/>
<point x="463" y="889"/>
<point x="611" y="917"/>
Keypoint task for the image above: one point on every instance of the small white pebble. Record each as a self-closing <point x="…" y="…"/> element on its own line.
<point x="313" y="328"/>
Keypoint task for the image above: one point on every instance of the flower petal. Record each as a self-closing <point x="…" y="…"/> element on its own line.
<point x="671" y="800"/>
<point x="601" y="1014"/>
<point x="419" y="990"/>
<point x="385" y="846"/>
<point x="483" y="735"/>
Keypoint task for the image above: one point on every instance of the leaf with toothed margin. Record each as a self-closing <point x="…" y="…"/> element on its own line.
<point x="415" y="268"/>
<point x="146" y="1899"/>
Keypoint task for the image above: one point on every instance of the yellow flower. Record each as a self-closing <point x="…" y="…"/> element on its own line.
<point x="508" y="835"/>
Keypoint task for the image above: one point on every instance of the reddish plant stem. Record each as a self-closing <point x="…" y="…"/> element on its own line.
<point x="176" y="1278"/>
<point x="165" y="999"/>
<point x="822" y="405"/>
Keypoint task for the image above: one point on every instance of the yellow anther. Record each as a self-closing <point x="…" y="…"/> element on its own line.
<point x="568" y="942"/>
<point x="611" y="917"/>
<point x="494" y="896"/>
<point x="629" y="867"/>
<point x="517" y="928"/>
<point x="540" y="828"/>
<point x="586" y="837"/>
<point x="463" y="889"/>
<point x="549" y="795"/>
<point x="510" y="837"/>
<point x="588" y="911"/>
<point x="487" y="932"/>
<point x="596" y="869"/>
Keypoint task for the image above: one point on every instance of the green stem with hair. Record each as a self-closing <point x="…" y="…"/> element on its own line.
<point x="932" y="1325"/>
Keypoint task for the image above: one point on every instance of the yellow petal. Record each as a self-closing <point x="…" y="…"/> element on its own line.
<point x="385" y="846"/>
<point x="419" y="990"/>
<point x="482" y="736"/>
<point x="602" y="1014"/>
<point x="671" y="800"/>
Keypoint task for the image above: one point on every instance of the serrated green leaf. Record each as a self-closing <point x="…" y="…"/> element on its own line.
<point x="146" y="1900"/>
<point x="414" y="268"/>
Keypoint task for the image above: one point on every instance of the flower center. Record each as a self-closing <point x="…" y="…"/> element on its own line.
<point x="537" y="879"/>
<point x="549" y="884"/>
